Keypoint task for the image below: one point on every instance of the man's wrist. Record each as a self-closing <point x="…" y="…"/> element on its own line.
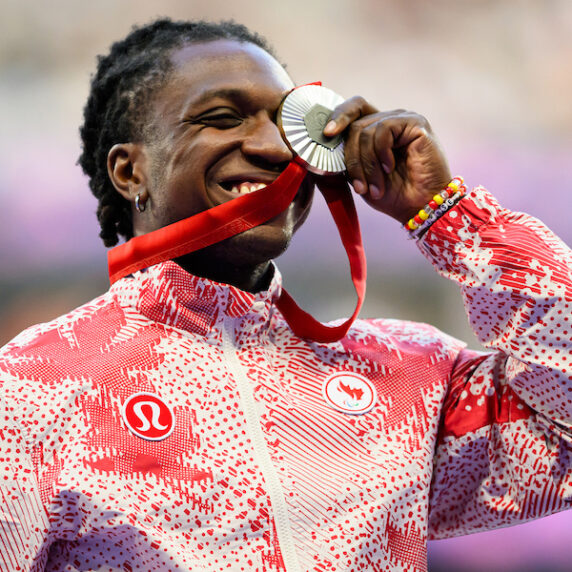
<point x="436" y="208"/>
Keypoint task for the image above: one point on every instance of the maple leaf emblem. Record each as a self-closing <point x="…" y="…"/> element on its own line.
<point x="355" y="393"/>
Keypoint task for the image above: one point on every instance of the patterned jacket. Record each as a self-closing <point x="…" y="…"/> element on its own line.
<point x="178" y="424"/>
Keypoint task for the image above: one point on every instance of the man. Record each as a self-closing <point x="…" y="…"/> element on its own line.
<point x="177" y="422"/>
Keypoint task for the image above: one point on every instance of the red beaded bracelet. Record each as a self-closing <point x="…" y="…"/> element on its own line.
<point x="428" y="213"/>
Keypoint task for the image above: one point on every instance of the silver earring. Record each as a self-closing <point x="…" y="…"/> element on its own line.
<point x="140" y="206"/>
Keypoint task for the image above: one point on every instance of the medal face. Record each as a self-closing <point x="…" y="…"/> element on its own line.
<point x="302" y="117"/>
<point x="349" y="393"/>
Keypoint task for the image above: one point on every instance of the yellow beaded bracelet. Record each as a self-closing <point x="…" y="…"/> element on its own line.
<point x="428" y="214"/>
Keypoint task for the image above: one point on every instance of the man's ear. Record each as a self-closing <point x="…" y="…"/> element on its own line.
<point x="126" y="166"/>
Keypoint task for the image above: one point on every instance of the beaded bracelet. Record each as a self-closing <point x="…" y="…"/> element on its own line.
<point x="436" y="207"/>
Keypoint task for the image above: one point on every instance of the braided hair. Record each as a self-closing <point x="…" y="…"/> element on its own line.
<point x="121" y="90"/>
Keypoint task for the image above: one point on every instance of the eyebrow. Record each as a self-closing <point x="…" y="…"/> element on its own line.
<point x="225" y="93"/>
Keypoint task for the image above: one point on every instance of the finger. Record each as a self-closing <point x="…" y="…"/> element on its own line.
<point x="342" y="116"/>
<point x="381" y="143"/>
<point x="398" y="132"/>
<point x="346" y="113"/>
<point x="363" y="165"/>
<point x="370" y="162"/>
<point x="384" y="142"/>
<point x="352" y="159"/>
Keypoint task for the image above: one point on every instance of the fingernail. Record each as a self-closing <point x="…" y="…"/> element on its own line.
<point x="330" y="127"/>
<point x="359" y="187"/>
<point x="375" y="192"/>
<point x="386" y="168"/>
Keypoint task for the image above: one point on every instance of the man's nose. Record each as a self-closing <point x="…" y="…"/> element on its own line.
<point x="264" y="142"/>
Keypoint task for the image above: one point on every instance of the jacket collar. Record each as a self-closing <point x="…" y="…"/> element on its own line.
<point x="167" y="294"/>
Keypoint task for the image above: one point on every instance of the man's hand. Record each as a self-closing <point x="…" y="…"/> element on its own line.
<point x="392" y="158"/>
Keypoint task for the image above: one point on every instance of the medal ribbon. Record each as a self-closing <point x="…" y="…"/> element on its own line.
<point x="245" y="212"/>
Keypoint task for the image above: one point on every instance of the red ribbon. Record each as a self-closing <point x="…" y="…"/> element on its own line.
<point x="243" y="213"/>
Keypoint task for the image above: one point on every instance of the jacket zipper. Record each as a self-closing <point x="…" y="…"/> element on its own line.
<point x="261" y="454"/>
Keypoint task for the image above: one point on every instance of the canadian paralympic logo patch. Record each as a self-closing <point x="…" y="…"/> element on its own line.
<point x="349" y="393"/>
<point x="148" y="416"/>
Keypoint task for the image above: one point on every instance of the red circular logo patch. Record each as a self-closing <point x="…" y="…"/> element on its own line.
<point x="349" y="393"/>
<point x="148" y="416"/>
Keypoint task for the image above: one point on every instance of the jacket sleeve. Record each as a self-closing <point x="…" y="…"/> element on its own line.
<point x="504" y="452"/>
<point x="23" y="520"/>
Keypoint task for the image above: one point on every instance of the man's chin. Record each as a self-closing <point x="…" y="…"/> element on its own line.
<point x="249" y="249"/>
<point x="258" y="245"/>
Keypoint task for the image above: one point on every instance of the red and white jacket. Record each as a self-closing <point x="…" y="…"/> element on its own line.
<point x="178" y="424"/>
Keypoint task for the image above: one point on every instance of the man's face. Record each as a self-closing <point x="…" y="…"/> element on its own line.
<point x="213" y="137"/>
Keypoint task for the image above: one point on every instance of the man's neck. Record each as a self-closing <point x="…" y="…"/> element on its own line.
<point x="248" y="279"/>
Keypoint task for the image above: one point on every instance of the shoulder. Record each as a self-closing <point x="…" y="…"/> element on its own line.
<point x="61" y="340"/>
<point x="403" y="338"/>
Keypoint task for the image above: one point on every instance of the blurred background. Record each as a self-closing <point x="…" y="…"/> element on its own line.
<point x="494" y="77"/>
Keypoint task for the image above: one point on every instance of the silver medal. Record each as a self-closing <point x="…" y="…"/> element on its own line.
<point x="302" y="117"/>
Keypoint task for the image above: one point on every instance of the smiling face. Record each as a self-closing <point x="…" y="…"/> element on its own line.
<point x="213" y="136"/>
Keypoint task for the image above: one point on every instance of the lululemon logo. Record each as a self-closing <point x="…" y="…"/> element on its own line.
<point x="349" y="393"/>
<point x="148" y="416"/>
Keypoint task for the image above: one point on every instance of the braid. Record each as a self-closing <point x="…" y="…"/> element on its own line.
<point x="121" y="90"/>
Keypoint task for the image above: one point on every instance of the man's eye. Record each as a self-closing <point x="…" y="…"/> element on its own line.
<point x="219" y="120"/>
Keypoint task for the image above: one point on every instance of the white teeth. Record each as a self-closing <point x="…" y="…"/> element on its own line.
<point x="245" y="188"/>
